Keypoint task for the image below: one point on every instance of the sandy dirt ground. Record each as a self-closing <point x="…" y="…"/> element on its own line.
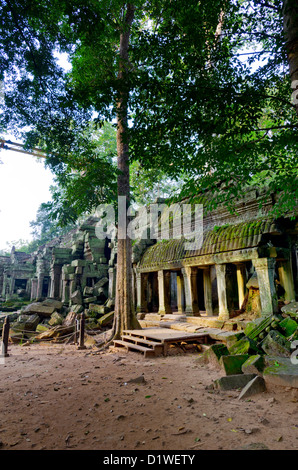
<point x="55" y="397"/>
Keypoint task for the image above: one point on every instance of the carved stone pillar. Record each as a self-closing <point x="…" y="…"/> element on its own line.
<point x="241" y="281"/>
<point x="33" y="295"/>
<point x="265" y="271"/>
<point x="286" y="279"/>
<point x="55" y="281"/>
<point x="39" y="286"/>
<point x="222" y="291"/>
<point x="180" y="293"/>
<point x="141" y="281"/>
<point x="190" y="290"/>
<point x="65" y="292"/>
<point x="112" y="282"/>
<point x="207" y="291"/>
<point x="164" y="278"/>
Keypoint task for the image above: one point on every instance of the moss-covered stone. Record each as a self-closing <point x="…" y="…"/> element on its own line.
<point x="213" y="354"/>
<point x="291" y="309"/>
<point x="288" y="326"/>
<point x="232" y="365"/>
<point x="254" y="364"/>
<point x="41" y="327"/>
<point x="276" y="344"/>
<point x="254" y="328"/>
<point x="244" y="346"/>
<point x="56" y="319"/>
<point x="233" y="382"/>
<point x="106" y="319"/>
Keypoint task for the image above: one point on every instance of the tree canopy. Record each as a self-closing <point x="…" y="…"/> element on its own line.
<point x="209" y="89"/>
<point x="201" y="89"/>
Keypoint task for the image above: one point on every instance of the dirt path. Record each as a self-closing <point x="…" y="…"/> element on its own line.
<point x="56" y="397"/>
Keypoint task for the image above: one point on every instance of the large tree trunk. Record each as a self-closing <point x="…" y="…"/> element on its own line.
<point x="290" y="19"/>
<point x="124" y="313"/>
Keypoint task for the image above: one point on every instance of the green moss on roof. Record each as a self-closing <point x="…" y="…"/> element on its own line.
<point x="217" y="240"/>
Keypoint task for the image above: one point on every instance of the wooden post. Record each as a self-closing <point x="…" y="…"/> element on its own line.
<point x="5" y="336"/>
<point x="77" y="327"/>
<point x="82" y="332"/>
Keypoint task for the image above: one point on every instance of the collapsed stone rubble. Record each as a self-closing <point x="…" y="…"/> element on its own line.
<point x="265" y="352"/>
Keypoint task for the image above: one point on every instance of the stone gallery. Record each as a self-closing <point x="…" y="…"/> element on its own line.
<point x="65" y="269"/>
<point x="247" y="262"/>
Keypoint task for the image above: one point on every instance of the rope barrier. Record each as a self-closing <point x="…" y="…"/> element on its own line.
<point x="77" y="334"/>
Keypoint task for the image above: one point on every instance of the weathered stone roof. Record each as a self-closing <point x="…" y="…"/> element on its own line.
<point x="218" y="240"/>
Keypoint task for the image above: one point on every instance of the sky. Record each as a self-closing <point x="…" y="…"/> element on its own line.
<point x="24" y="185"/>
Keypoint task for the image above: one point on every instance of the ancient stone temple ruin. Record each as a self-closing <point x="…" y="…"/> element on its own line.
<point x="247" y="262"/>
<point x="69" y="269"/>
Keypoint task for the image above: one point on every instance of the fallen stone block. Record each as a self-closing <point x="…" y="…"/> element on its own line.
<point x="226" y="337"/>
<point x="77" y="308"/>
<point x="232" y="365"/>
<point x="254" y="365"/>
<point x="101" y="309"/>
<point x="213" y="354"/>
<point x="39" y="309"/>
<point x="243" y="346"/>
<point x="291" y="309"/>
<point x="231" y="382"/>
<point x="253" y="329"/>
<point x="102" y="282"/>
<point x="26" y="323"/>
<point x="41" y="327"/>
<point x="53" y="303"/>
<point x="90" y="300"/>
<point x="56" y="319"/>
<point x="282" y="371"/>
<point x="275" y="344"/>
<point x="288" y="326"/>
<point x="106" y="319"/>
<point x="88" y="291"/>
<point x="255" y="386"/>
<point x="76" y="298"/>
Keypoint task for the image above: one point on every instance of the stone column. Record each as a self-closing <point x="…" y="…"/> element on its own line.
<point x="286" y="279"/>
<point x="33" y="295"/>
<point x="190" y="290"/>
<point x="55" y="281"/>
<point x="222" y="291"/>
<point x="4" y="285"/>
<point x="112" y="283"/>
<point x="164" y="278"/>
<point x="12" y="285"/>
<point x="141" y="281"/>
<point x="265" y="271"/>
<point x="207" y="291"/>
<point x="39" y="286"/>
<point x="65" y="292"/>
<point x="180" y="293"/>
<point x="241" y="281"/>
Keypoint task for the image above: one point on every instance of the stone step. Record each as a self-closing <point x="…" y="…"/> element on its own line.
<point x="148" y="352"/>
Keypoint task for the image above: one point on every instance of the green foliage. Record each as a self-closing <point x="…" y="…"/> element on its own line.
<point x="196" y="108"/>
